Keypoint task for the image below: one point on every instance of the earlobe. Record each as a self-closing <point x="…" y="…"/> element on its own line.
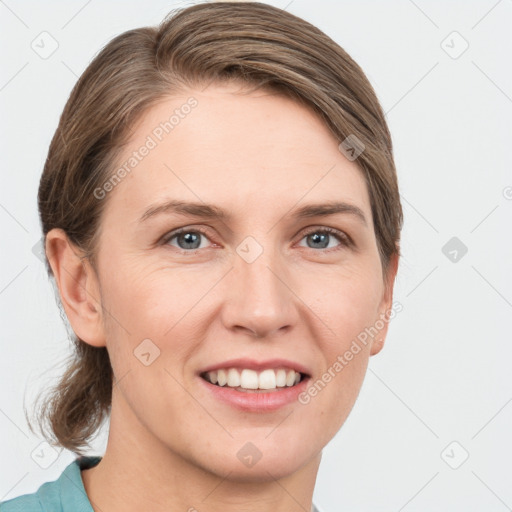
<point x="78" y="287"/>
<point x="377" y="344"/>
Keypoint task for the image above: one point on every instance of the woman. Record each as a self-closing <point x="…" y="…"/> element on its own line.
<point x="222" y="218"/>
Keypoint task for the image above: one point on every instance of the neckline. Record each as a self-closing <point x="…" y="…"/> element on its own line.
<point x="71" y="485"/>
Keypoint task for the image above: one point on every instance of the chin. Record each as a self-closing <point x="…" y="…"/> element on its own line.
<point x="261" y="461"/>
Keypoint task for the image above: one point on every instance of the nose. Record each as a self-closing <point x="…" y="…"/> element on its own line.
<point x="260" y="297"/>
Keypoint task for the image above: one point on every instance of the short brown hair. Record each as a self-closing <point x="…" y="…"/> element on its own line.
<point x="250" y="42"/>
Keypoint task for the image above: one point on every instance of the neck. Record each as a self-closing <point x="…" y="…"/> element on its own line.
<point x="138" y="473"/>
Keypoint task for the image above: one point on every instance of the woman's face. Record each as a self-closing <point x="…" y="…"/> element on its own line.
<point x="262" y="289"/>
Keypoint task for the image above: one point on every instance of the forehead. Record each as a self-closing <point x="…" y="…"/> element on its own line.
<point x="243" y="150"/>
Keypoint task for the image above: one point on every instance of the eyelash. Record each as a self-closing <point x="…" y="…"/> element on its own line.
<point x="343" y="238"/>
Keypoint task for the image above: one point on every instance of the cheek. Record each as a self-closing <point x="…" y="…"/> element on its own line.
<point x="147" y="335"/>
<point x="348" y="308"/>
<point x="148" y="300"/>
<point x="347" y="302"/>
<point x="152" y="303"/>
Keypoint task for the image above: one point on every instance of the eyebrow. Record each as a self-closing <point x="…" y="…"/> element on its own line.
<point x="209" y="211"/>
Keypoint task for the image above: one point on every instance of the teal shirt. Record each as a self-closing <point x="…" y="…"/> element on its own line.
<point x="66" y="494"/>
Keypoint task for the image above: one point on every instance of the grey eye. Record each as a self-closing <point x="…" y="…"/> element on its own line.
<point x="322" y="239"/>
<point x="187" y="239"/>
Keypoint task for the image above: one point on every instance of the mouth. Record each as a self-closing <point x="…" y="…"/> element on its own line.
<point x="256" y="387"/>
<point x="249" y="380"/>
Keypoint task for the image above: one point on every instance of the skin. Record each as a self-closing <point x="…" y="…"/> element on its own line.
<point x="259" y="156"/>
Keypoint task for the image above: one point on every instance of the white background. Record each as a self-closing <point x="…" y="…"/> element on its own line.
<point x="444" y="374"/>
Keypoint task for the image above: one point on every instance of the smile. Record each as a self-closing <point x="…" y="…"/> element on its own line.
<point x="248" y="380"/>
<point x="255" y="386"/>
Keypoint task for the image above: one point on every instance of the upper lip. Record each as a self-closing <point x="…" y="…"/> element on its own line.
<point x="258" y="366"/>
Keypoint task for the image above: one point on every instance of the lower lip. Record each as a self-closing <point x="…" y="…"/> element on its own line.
<point x="258" y="401"/>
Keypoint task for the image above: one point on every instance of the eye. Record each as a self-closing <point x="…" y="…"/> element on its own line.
<point x="186" y="239"/>
<point x="321" y="238"/>
<point x="189" y="240"/>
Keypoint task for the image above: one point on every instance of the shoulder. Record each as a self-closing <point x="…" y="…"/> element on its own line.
<point x="66" y="494"/>
<point x="47" y="497"/>
<point x="25" y="503"/>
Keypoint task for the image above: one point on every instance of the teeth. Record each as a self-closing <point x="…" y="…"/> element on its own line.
<point x="281" y="378"/>
<point x="221" y="378"/>
<point x="250" y="379"/>
<point x="267" y="379"/>
<point x="290" y="378"/>
<point x="233" y="378"/>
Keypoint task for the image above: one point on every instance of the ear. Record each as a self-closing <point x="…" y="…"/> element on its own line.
<point x="78" y="287"/>
<point x="386" y="304"/>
